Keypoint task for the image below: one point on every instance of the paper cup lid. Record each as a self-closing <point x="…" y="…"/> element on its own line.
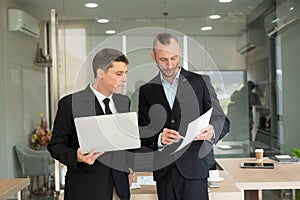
<point x="259" y="150"/>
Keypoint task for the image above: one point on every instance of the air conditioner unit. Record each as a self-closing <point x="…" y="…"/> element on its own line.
<point x="283" y="17"/>
<point x="23" y="23"/>
<point x="250" y="40"/>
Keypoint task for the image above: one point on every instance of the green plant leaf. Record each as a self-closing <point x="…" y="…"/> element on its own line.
<point x="296" y="152"/>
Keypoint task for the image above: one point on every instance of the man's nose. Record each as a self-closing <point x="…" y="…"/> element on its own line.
<point x="124" y="79"/>
<point x="169" y="63"/>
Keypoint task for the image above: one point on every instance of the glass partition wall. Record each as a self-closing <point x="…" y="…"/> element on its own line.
<point x="249" y="61"/>
<point x="247" y="48"/>
<point x="215" y="52"/>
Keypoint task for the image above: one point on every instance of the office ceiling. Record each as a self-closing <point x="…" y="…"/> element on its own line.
<point x="180" y="12"/>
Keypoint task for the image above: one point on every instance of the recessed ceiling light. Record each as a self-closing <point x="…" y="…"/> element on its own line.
<point x="103" y="21"/>
<point x="110" y="32"/>
<point x="214" y="16"/>
<point x="225" y="1"/>
<point x="91" y="5"/>
<point x="206" y="28"/>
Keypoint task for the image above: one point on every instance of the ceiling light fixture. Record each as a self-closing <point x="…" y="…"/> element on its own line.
<point x="206" y="28"/>
<point x="214" y="16"/>
<point x="91" y="5"/>
<point x="225" y="1"/>
<point x="102" y="21"/>
<point x="165" y="14"/>
<point x="110" y="32"/>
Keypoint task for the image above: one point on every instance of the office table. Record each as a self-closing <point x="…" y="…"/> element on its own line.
<point x="235" y="149"/>
<point x="253" y="181"/>
<point x="9" y="187"/>
<point x="227" y="190"/>
<point x="146" y="192"/>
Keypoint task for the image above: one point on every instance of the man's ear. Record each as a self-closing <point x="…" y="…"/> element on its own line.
<point x="100" y="73"/>
<point x="152" y="55"/>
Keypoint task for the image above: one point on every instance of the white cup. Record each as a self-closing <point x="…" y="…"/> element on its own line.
<point x="214" y="174"/>
<point x="259" y="154"/>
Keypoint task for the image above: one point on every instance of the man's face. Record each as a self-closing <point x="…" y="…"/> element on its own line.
<point x="114" y="78"/>
<point x="167" y="58"/>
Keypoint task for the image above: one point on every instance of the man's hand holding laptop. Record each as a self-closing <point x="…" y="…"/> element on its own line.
<point x="88" y="158"/>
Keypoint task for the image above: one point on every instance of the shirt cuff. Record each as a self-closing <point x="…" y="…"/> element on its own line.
<point x="160" y="146"/>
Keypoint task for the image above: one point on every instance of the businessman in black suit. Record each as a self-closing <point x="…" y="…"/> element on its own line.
<point x="167" y="103"/>
<point x="91" y="176"/>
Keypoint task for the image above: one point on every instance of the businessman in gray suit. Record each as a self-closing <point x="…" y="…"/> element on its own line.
<point x="167" y="104"/>
<point x="91" y="176"/>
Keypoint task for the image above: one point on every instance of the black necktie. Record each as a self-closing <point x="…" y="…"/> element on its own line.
<point x="107" y="109"/>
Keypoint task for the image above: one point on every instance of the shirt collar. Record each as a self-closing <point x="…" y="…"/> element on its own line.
<point x="99" y="95"/>
<point x="176" y="77"/>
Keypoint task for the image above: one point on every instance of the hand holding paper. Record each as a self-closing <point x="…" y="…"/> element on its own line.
<point x="206" y="133"/>
<point x="194" y="128"/>
<point x="170" y="136"/>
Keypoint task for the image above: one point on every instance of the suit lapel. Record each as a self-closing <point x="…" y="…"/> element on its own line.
<point x="158" y="91"/>
<point x="117" y="102"/>
<point x="183" y="85"/>
<point x="91" y="101"/>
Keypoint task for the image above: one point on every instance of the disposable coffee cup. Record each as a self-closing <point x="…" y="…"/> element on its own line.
<point x="259" y="154"/>
<point x="214" y="174"/>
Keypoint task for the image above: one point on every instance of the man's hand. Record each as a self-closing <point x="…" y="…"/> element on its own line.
<point x="88" y="158"/>
<point x="207" y="133"/>
<point x="130" y="177"/>
<point x="169" y="136"/>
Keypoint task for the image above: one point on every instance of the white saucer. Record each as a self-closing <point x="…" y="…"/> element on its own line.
<point x="215" y="179"/>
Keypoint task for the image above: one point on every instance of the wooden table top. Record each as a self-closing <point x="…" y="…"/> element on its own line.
<point x="283" y="176"/>
<point x="9" y="187"/>
<point x="227" y="190"/>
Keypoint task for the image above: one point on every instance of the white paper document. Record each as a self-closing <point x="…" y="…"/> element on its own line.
<point x="108" y="132"/>
<point x="146" y="180"/>
<point x="135" y="185"/>
<point x="194" y="128"/>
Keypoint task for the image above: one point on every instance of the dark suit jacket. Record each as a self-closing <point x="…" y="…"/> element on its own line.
<point x="195" y="95"/>
<point x="87" y="181"/>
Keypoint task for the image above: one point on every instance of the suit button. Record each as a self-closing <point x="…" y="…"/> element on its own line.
<point x="172" y="121"/>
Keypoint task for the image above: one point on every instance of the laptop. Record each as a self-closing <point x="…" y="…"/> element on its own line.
<point x="108" y="132"/>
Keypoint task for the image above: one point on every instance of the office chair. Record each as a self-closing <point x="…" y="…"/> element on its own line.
<point x="34" y="163"/>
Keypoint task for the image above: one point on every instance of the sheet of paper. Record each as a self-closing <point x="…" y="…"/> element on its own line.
<point x="146" y="180"/>
<point x="108" y="132"/>
<point x="135" y="185"/>
<point x="282" y="156"/>
<point x="194" y="128"/>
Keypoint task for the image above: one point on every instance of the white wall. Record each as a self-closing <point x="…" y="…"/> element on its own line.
<point x="22" y="91"/>
<point x="222" y="51"/>
<point x="3" y="153"/>
<point x="290" y="41"/>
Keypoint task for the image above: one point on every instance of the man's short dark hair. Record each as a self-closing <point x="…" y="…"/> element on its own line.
<point x="164" y="39"/>
<point x="104" y="59"/>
